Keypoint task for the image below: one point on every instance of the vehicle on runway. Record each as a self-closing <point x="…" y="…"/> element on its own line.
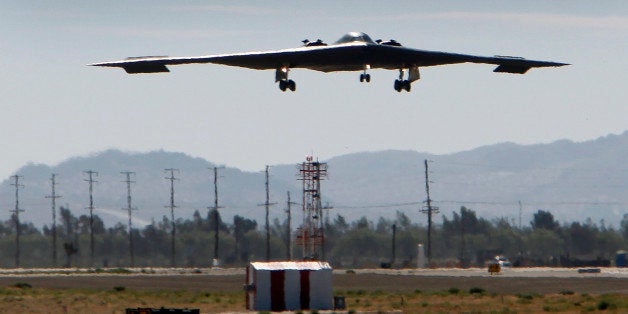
<point x="503" y="261"/>
<point x="355" y="51"/>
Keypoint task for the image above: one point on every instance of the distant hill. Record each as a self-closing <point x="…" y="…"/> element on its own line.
<point x="575" y="181"/>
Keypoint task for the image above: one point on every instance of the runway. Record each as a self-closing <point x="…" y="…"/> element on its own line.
<point x="516" y="280"/>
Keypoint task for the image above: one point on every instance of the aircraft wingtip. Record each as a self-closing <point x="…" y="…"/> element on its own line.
<point x="99" y="64"/>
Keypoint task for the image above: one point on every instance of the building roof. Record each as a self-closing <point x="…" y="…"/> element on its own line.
<point x="300" y="265"/>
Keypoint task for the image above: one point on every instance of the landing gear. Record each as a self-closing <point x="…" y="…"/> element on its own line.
<point x="281" y="76"/>
<point x="401" y="84"/>
<point x="287" y="84"/>
<point x="365" y="76"/>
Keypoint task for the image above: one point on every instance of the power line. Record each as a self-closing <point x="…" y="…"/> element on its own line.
<point x="379" y="205"/>
<point x="53" y="197"/>
<point x="480" y="165"/>
<point x="531" y="203"/>
<point x="463" y="202"/>
<point x="172" y="206"/>
<point x="91" y="182"/>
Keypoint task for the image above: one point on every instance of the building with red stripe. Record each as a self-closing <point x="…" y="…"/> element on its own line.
<point x="289" y="286"/>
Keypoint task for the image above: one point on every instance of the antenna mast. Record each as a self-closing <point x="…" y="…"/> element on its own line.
<point x="311" y="235"/>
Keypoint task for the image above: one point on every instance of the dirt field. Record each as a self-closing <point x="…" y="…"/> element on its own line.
<point x="219" y="291"/>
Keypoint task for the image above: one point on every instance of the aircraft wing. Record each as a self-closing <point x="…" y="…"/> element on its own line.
<point x="344" y="57"/>
<point x="303" y="57"/>
<point x="408" y="58"/>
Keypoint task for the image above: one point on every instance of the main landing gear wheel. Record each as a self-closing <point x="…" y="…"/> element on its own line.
<point x="365" y="77"/>
<point x="402" y="84"/>
<point x="287" y="84"/>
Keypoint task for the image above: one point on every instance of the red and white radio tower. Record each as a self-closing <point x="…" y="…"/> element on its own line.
<point x="311" y="234"/>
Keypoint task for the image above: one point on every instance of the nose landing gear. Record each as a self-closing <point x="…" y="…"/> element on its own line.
<point x="365" y="76"/>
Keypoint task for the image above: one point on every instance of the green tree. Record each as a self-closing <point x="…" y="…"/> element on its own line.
<point x="241" y="227"/>
<point x="581" y="238"/>
<point x="543" y="245"/>
<point x="341" y="225"/>
<point x="544" y="220"/>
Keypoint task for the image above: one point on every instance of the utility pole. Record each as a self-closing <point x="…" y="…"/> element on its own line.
<point x="172" y="206"/>
<point x="462" y="242"/>
<point x="289" y="228"/>
<point x="267" y="204"/>
<point x="520" y="214"/>
<point x="130" y="209"/>
<point x="324" y="221"/>
<point x="16" y="213"/>
<point x="429" y="209"/>
<point x="267" y="219"/>
<point x="53" y="197"/>
<point x="214" y="212"/>
<point x="520" y="233"/>
<point x="394" y="245"/>
<point x="91" y="174"/>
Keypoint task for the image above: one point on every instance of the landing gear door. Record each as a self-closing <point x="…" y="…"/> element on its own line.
<point x="413" y="74"/>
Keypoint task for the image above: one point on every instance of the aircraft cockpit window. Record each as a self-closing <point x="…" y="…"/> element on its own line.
<point x="353" y="37"/>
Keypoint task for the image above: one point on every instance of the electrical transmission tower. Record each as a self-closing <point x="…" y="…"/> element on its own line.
<point x="216" y="215"/>
<point x="429" y="209"/>
<point x="130" y="209"/>
<point x="311" y="235"/>
<point x="172" y="207"/>
<point x="267" y="205"/>
<point x="16" y="216"/>
<point x="53" y="197"/>
<point x="90" y="180"/>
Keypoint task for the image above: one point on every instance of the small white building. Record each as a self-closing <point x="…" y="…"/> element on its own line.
<point x="289" y="286"/>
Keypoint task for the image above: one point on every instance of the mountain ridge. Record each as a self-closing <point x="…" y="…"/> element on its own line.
<point x="574" y="180"/>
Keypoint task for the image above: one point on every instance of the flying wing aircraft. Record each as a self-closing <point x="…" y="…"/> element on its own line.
<point x="353" y="52"/>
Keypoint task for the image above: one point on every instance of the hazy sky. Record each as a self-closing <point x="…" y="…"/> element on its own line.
<point x="54" y="107"/>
